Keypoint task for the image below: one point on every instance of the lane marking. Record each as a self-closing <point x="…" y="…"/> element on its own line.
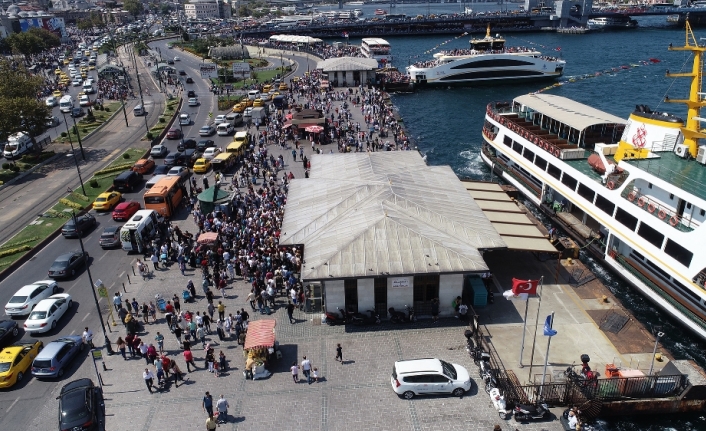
<point x="104" y="255"/>
<point x="13" y="404"/>
<point x="72" y="286"/>
<point x="86" y="316"/>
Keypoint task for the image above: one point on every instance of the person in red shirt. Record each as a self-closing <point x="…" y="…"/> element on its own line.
<point x="189" y="358"/>
<point x="169" y="308"/>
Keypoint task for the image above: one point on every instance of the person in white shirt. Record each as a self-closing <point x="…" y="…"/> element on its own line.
<point x="222" y="408"/>
<point x="149" y="379"/>
<point x="306" y="369"/>
<point x="88" y="337"/>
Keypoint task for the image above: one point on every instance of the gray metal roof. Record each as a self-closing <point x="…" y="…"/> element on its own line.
<point x="383" y="214"/>
<point x="340" y="64"/>
<point x="567" y="111"/>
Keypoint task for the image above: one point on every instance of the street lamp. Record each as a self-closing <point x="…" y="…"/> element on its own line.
<point x="73" y="152"/>
<point x="78" y="135"/>
<point x="69" y="133"/>
<point x="660" y="334"/>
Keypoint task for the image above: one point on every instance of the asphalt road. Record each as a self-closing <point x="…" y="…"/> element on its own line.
<point x="111" y="266"/>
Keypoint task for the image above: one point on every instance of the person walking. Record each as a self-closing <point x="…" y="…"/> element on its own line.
<point x="201" y="335"/>
<point x="222" y="408"/>
<point x="207" y="404"/>
<point x="88" y="337"/>
<point x="122" y="346"/>
<point x="160" y="342"/>
<point x="211" y="423"/>
<point x="149" y="379"/>
<point x="339" y="353"/>
<point x="435" y="310"/>
<point x="221" y="310"/>
<point x="295" y="372"/>
<point x="290" y="312"/>
<point x="117" y="301"/>
<point x="176" y="372"/>
<point x="189" y="358"/>
<point x="306" y="369"/>
<point x="177" y="333"/>
<point x="155" y="261"/>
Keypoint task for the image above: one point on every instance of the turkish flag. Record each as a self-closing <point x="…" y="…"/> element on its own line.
<point x="524" y="286"/>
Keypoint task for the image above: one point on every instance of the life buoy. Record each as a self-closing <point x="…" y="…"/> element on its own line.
<point x="641" y="202"/>
<point x="662" y="214"/>
<point x="556" y="152"/>
<point x="651" y="207"/>
<point x="631" y="196"/>
<point x="610" y="185"/>
<point x="673" y="221"/>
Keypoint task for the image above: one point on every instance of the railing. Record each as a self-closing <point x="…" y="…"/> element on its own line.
<point x="658" y="210"/>
<point x="511" y="171"/>
<point x="671" y="176"/>
<point x="650" y="284"/>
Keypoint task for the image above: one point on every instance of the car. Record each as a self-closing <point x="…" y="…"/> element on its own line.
<point x="78" y="405"/>
<point x="57" y="94"/>
<point x="202" y="165"/>
<point x="170" y="62"/>
<point x="182" y="73"/>
<point x="106" y="201"/>
<point x="248" y="112"/>
<point x="283" y="87"/>
<point x="48" y="312"/>
<point x="210" y="153"/>
<point x="194" y="102"/>
<point x="127" y="181"/>
<point x="207" y="130"/>
<point x="57" y="71"/>
<point x="24" y="300"/>
<point x="258" y="102"/>
<point x="125" y="210"/>
<point x="429" y="376"/>
<point x="191" y="93"/>
<point x="16" y="360"/>
<point x="8" y="331"/>
<point x="179" y="171"/>
<point x="170" y="160"/>
<point x="77" y="112"/>
<point x="66" y="264"/>
<point x="205" y="143"/>
<point x="174" y="133"/>
<point x="159" y="151"/>
<point x="110" y="237"/>
<point x="84" y="100"/>
<point x="57" y="356"/>
<point x="189" y="80"/>
<point x="184" y="120"/>
<point x="52" y="121"/>
<point x="143" y="166"/>
<point x="77" y="81"/>
<point x="161" y="170"/>
<point x="176" y="58"/>
<point x="186" y="143"/>
<point x="82" y="224"/>
<point x="51" y="101"/>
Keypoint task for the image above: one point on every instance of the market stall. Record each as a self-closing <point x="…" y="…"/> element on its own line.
<point x="260" y="347"/>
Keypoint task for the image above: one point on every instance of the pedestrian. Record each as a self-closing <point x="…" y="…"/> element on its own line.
<point x="315" y="375"/>
<point x="88" y="337"/>
<point x="129" y="339"/>
<point x="211" y="423"/>
<point x="201" y="334"/>
<point x="155" y="260"/>
<point x="143" y="348"/>
<point x="176" y="372"/>
<point x="207" y="404"/>
<point x="435" y="310"/>
<point x="295" y="372"/>
<point x="189" y="358"/>
<point x="153" y="311"/>
<point x="121" y="346"/>
<point x="206" y="323"/>
<point x="222" y="361"/>
<point x="222" y="408"/>
<point x="160" y="342"/>
<point x="290" y="312"/>
<point x="211" y="310"/>
<point x="117" y="301"/>
<point x="128" y="306"/>
<point x="122" y="314"/>
<point x="149" y="379"/>
<point x="177" y="333"/>
<point x="192" y="328"/>
<point x="135" y="306"/>
<point x="210" y="360"/>
<point x="306" y="369"/>
<point x="339" y="353"/>
<point x="221" y="310"/>
<point x="145" y="312"/>
<point x="177" y="304"/>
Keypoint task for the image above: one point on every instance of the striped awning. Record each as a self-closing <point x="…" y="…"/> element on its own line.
<point x="261" y="333"/>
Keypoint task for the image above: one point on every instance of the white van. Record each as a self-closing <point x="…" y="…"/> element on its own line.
<point x="66" y="104"/>
<point x="138" y="110"/>
<point x="154" y="180"/>
<point x="234" y="118"/>
<point x="88" y="88"/>
<point x="136" y="234"/>
<point x="17" y="144"/>
<point x="254" y="94"/>
<point x="224" y="129"/>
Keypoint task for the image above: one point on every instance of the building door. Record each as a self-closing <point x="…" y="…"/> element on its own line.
<point x="381" y="296"/>
<point x="350" y="288"/>
<point x="426" y="288"/>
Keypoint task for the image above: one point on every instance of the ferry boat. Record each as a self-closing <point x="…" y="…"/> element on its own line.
<point x="380" y="12"/>
<point x="355" y="3"/>
<point x="632" y="192"/>
<point x="611" y="23"/>
<point x="374" y="47"/>
<point x="487" y="60"/>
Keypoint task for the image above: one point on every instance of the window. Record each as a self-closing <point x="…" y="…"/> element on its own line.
<point x="626" y="219"/>
<point x="540" y="163"/>
<point x="517" y="147"/>
<point x="554" y="171"/>
<point x="507" y="141"/>
<point x="679" y="253"/>
<point x="605" y="205"/>
<point x="671" y="196"/>
<point x="651" y="235"/>
<point x="569" y="181"/>
<point x="529" y="155"/>
<point x="637" y="254"/>
<point x="586" y="193"/>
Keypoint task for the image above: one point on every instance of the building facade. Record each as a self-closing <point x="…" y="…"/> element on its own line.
<point x="207" y="9"/>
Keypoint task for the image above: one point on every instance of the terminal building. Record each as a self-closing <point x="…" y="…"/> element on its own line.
<point x="203" y="9"/>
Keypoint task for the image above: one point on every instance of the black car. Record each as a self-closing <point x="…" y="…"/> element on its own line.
<point x="186" y="143"/>
<point x="182" y="73"/>
<point x="8" y="331"/>
<point x="127" y="181"/>
<point x="189" y="80"/>
<point x="205" y="143"/>
<point x="77" y="111"/>
<point x="170" y="62"/>
<point x="78" y="406"/>
<point x="66" y="264"/>
<point x="191" y="93"/>
<point x="161" y="170"/>
<point x="187" y="158"/>
<point x="171" y="158"/>
<point x="81" y="225"/>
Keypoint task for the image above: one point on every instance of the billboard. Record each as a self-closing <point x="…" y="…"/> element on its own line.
<point x="208" y="70"/>
<point x="53" y="24"/>
<point x="241" y="70"/>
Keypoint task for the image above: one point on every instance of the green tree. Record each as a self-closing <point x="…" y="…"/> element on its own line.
<point x="134" y="7"/>
<point x="166" y="8"/>
<point x="19" y="108"/>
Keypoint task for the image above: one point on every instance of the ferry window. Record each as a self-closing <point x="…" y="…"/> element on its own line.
<point x="624" y="217"/>
<point x="529" y="155"/>
<point x="702" y="212"/>
<point x="605" y="205"/>
<point x="554" y="171"/>
<point x="637" y="254"/>
<point x="569" y="181"/>
<point x="540" y="163"/>
<point x="679" y="253"/>
<point x="649" y="185"/>
<point x="671" y="196"/>
<point x="688" y="206"/>
<point x="651" y="235"/>
<point x="586" y="193"/>
<point x="517" y="147"/>
<point x="507" y="141"/>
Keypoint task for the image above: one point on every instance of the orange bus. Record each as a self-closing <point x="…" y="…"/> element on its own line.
<point x="165" y="196"/>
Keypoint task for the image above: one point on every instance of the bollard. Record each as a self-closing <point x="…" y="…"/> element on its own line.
<point x="104" y="367"/>
<point x="128" y="279"/>
<point x="124" y="290"/>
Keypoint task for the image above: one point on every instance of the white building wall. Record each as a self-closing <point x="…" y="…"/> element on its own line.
<point x="335" y="296"/>
<point x="398" y="297"/>
<point x="366" y="295"/>
<point x="450" y="286"/>
<point x="200" y="10"/>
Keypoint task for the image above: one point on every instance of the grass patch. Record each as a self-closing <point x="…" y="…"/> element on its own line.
<point x="84" y="128"/>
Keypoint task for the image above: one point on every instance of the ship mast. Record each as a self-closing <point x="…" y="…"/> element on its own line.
<point x="691" y="129"/>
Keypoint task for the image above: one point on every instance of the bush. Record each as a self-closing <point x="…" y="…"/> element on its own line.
<point x="93" y="184"/>
<point x="162" y="120"/>
<point x="70" y="204"/>
<point x="84" y="131"/>
<point x="6" y="166"/>
<point x="112" y="169"/>
<point x="106" y="109"/>
<point x="149" y="136"/>
<point x="16" y="250"/>
<point x="63" y="134"/>
<point x="126" y="156"/>
<point x="74" y="130"/>
<point x="14" y="168"/>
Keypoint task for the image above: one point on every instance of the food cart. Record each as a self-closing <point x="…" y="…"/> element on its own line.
<point x="260" y="347"/>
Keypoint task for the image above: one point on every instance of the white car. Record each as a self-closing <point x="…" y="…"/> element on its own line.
<point x="22" y="302"/>
<point x="210" y="153"/>
<point x="45" y="315"/>
<point x="184" y="119"/>
<point x="248" y="112"/>
<point x="219" y="119"/>
<point x="179" y="171"/>
<point x="193" y="101"/>
<point x="77" y="82"/>
<point x="84" y="100"/>
<point x="177" y="58"/>
<point x="429" y="376"/>
<point x="51" y="101"/>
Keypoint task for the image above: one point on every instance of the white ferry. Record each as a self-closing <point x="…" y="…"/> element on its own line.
<point x="633" y="192"/>
<point x="488" y="60"/>
<point x="610" y="22"/>
<point x="374" y="47"/>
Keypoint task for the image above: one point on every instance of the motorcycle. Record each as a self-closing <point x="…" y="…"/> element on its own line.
<point x="529" y="412"/>
<point x="411" y="317"/>
<point x="333" y="319"/>
<point x="498" y="402"/>
<point x="364" y="319"/>
<point x="397" y="316"/>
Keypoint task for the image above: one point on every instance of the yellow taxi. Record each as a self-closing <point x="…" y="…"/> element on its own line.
<point x="258" y="102"/>
<point x="84" y="69"/>
<point x="274" y="94"/>
<point x="57" y="94"/>
<point x="16" y="361"/>
<point x="84" y="75"/>
<point x="283" y="87"/>
<point x="57" y="71"/>
<point x="106" y="201"/>
<point x="66" y="62"/>
<point x="266" y="88"/>
<point x="91" y="67"/>
<point x="239" y="107"/>
<point x="86" y="53"/>
<point x="201" y="166"/>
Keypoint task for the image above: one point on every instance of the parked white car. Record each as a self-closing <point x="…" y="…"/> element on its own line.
<point x="25" y="299"/>
<point x="210" y="153"/>
<point x="429" y="376"/>
<point x="45" y="315"/>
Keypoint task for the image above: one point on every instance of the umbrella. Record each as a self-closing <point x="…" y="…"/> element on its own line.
<point x="288" y="116"/>
<point x="314" y="129"/>
<point x="287" y="125"/>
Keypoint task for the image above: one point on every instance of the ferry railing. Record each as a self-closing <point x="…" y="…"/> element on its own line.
<point x="650" y="284"/>
<point x="671" y="176"/>
<point x="499" y="163"/>
<point x="658" y="210"/>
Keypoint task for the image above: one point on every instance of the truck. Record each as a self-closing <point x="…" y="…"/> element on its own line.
<point x="258" y="115"/>
<point x="17" y="144"/>
<point x="66" y="104"/>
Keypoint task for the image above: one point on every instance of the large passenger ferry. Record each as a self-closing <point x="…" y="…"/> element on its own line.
<point x="633" y="192"/>
<point x="374" y="47"/>
<point x="487" y="60"/>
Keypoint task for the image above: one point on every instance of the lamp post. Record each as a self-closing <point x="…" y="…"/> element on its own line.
<point x="660" y="334"/>
<point x="78" y="135"/>
<point x="69" y="133"/>
<point x="73" y="153"/>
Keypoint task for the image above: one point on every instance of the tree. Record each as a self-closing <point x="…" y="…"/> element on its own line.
<point x="134" y="7"/>
<point x="19" y="108"/>
<point x="33" y="41"/>
<point x="166" y="8"/>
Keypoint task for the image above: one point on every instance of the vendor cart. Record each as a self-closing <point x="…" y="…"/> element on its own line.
<point x="259" y="349"/>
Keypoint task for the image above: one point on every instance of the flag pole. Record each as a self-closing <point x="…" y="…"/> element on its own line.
<point x="524" y="331"/>
<point x="536" y="322"/>
<point x="546" y="357"/>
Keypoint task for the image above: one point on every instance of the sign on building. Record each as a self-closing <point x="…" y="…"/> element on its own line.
<point x="400" y="283"/>
<point x="208" y="70"/>
<point x="241" y="70"/>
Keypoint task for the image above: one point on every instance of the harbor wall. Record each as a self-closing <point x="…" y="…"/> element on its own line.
<point x="651" y="407"/>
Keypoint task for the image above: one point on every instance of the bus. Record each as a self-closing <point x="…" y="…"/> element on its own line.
<point x="165" y="196"/>
<point x="224" y="161"/>
<point x="238" y="148"/>
<point x="136" y="234"/>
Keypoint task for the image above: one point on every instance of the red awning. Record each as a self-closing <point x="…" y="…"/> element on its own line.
<point x="208" y="238"/>
<point x="261" y="333"/>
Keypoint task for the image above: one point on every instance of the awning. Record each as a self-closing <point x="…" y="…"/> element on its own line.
<point x="261" y="333"/>
<point x="208" y="238"/>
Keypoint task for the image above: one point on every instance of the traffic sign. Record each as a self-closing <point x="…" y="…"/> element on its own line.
<point x="103" y="292"/>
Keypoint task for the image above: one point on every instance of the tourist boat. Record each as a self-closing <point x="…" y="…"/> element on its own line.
<point x="344" y="14"/>
<point x="487" y="60"/>
<point x="631" y="192"/>
<point x="611" y="22"/>
<point x="355" y="3"/>
<point x="357" y="13"/>
<point x="380" y="12"/>
<point x="374" y="47"/>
